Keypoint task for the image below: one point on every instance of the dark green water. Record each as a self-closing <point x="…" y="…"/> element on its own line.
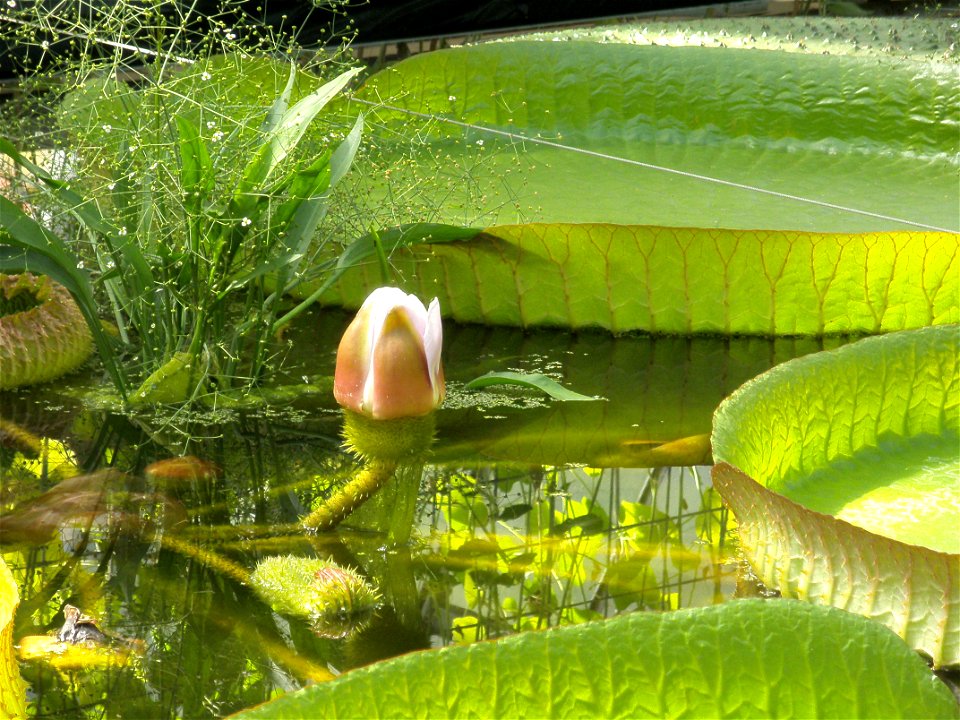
<point x="532" y="514"/>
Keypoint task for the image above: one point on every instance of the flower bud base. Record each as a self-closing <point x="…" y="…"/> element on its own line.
<point x="402" y="440"/>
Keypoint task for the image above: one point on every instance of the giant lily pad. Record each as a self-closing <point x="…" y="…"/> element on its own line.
<point x="841" y="468"/>
<point x="801" y="145"/>
<point x="698" y="137"/>
<point x="683" y="281"/>
<point x="746" y="659"/>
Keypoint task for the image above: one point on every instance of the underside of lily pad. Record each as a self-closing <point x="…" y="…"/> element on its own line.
<point x="841" y="468"/>
<point x="43" y="335"/>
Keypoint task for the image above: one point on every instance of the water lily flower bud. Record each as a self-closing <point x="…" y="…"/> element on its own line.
<point x="388" y="362"/>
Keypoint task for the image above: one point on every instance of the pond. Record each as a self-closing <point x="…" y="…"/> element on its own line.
<point x="532" y="513"/>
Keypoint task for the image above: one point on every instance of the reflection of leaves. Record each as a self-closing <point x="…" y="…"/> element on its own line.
<point x="80" y="500"/>
<point x="589" y="524"/>
<point x="647" y="524"/>
<point x="464" y="512"/>
<point x="524" y="559"/>
<point x="66" y="656"/>
<point x="585" y="515"/>
<point x="475" y="548"/>
<point x="12" y="689"/>
<point x="512" y="512"/>
<point x="713" y="520"/>
<point x="466" y="629"/>
<point x="578" y="615"/>
<point x="632" y="581"/>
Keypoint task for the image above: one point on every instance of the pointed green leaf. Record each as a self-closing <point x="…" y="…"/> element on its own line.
<point x="284" y="137"/>
<point x="535" y="381"/>
<point x="279" y="108"/>
<point x="743" y="659"/>
<point x="853" y="500"/>
<point x="343" y="156"/>
<point x="196" y="169"/>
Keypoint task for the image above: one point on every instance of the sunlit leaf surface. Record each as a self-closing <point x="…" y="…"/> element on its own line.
<point x="747" y="659"/>
<point x="683" y="281"/>
<point x="588" y="132"/>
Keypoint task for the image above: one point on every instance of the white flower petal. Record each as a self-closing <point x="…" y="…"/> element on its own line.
<point x="433" y="339"/>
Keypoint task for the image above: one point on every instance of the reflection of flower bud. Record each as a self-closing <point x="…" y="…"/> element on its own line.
<point x="339" y="591"/>
<point x="335" y="599"/>
<point x="388" y="362"/>
<point x="339" y="601"/>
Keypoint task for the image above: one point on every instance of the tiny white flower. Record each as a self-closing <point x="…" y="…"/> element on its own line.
<point x="211" y="124"/>
<point x="231" y="36"/>
<point x="246" y="222"/>
<point x="11" y="3"/>
<point x="106" y="128"/>
<point x="111" y="186"/>
<point x="217" y="136"/>
<point x="45" y="44"/>
<point x="122" y="231"/>
<point x="80" y="265"/>
<point x="205" y="76"/>
<point x="451" y="98"/>
<point x="480" y="143"/>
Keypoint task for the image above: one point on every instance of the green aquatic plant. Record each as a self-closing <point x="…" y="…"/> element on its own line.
<point x="187" y="201"/>
<point x="748" y="658"/>
<point x="841" y="469"/>
<point x="201" y="302"/>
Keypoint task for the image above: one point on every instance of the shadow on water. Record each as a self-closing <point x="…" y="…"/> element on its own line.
<point x="532" y="514"/>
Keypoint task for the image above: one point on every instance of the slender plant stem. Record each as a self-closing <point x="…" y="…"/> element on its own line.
<point x="351" y="496"/>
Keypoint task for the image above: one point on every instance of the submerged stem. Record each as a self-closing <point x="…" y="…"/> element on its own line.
<point x="208" y="558"/>
<point x="351" y="496"/>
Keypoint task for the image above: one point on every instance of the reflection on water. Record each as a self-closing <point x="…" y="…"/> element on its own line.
<point x="513" y="550"/>
<point x="528" y="518"/>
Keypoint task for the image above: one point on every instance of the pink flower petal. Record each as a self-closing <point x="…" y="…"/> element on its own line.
<point x="401" y="379"/>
